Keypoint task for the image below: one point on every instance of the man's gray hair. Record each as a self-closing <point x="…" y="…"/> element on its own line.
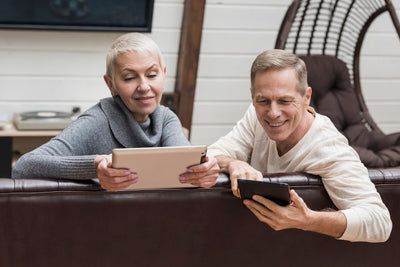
<point x="277" y="59"/>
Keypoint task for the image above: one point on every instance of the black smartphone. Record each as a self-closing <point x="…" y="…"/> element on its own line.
<point x="277" y="192"/>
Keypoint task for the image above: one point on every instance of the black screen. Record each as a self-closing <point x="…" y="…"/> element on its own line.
<point x="91" y="15"/>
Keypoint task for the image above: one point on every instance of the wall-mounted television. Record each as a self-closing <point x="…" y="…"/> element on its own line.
<point x="78" y="15"/>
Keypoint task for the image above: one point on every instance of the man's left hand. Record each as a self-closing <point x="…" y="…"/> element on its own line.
<point x="295" y="215"/>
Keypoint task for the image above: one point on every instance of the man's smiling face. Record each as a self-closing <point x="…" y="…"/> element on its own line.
<point x="280" y="108"/>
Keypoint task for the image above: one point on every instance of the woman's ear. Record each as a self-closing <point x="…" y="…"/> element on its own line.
<point x="110" y="85"/>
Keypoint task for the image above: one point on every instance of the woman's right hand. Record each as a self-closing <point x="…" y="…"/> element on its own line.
<point x="112" y="179"/>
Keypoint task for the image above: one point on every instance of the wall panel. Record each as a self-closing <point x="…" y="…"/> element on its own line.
<point x="235" y="32"/>
<point x="56" y="70"/>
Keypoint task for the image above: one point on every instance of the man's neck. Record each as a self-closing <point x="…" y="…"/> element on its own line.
<point x="284" y="147"/>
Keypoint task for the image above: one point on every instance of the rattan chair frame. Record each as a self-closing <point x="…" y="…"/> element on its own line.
<point x="334" y="27"/>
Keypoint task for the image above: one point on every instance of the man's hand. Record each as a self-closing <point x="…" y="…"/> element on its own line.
<point x="238" y="169"/>
<point x="110" y="178"/>
<point x="278" y="217"/>
<point x="204" y="175"/>
<point x="297" y="215"/>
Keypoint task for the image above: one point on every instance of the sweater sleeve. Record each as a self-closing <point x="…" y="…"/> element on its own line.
<point x="347" y="182"/>
<point x="353" y="193"/>
<point x="70" y="154"/>
<point x="239" y="142"/>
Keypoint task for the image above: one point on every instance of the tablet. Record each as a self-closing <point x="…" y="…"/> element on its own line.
<point x="158" y="167"/>
<point x="277" y="192"/>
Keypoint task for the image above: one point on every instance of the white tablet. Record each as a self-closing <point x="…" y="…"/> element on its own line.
<point x="158" y="167"/>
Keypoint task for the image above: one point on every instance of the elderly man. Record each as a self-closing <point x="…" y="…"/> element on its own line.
<point x="280" y="132"/>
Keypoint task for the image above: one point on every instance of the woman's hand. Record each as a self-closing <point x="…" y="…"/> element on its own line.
<point x="204" y="174"/>
<point x="110" y="178"/>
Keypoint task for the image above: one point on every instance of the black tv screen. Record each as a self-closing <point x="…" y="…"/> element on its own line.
<point x="85" y="15"/>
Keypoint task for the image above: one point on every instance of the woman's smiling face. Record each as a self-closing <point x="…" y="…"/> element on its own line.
<point x="280" y="108"/>
<point x="139" y="81"/>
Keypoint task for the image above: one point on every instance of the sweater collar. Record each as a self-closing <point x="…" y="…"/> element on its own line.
<point x="126" y="129"/>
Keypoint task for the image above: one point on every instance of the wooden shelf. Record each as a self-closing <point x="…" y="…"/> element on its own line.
<point x="18" y="142"/>
<point x="11" y="131"/>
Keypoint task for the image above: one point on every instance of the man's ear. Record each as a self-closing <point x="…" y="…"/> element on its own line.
<point x="252" y="95"/>
<point x="110" y="85"/>
<point x="308" y="95"/>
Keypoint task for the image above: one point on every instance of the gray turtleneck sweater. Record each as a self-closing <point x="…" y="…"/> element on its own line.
<point x="99" y="130"/>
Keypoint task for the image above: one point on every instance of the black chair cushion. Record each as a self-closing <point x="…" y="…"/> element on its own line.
<point x="334" y="96"/>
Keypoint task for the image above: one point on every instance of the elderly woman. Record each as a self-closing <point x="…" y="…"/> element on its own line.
<point x="132" y="117"/>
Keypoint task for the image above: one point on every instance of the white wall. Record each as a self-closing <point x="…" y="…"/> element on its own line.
<point x="58" y="70"/>
<point x="235" y="31"/>
<point x="380" y="72"/>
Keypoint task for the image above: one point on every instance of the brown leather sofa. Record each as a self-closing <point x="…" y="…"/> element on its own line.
<point x="47" y="222"/>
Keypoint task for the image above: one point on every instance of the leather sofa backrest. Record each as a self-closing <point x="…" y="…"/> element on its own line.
<point x="70" y="223"/>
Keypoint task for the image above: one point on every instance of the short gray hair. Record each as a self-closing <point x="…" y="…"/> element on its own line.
<point x="131" y="42"/>
<point x="277" y="59"/>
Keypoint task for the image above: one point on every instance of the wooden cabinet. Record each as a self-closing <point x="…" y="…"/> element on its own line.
<point x="14" y="143"/>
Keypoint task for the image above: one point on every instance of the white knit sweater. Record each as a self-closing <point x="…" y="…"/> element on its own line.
<point x="322" y="151"/>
